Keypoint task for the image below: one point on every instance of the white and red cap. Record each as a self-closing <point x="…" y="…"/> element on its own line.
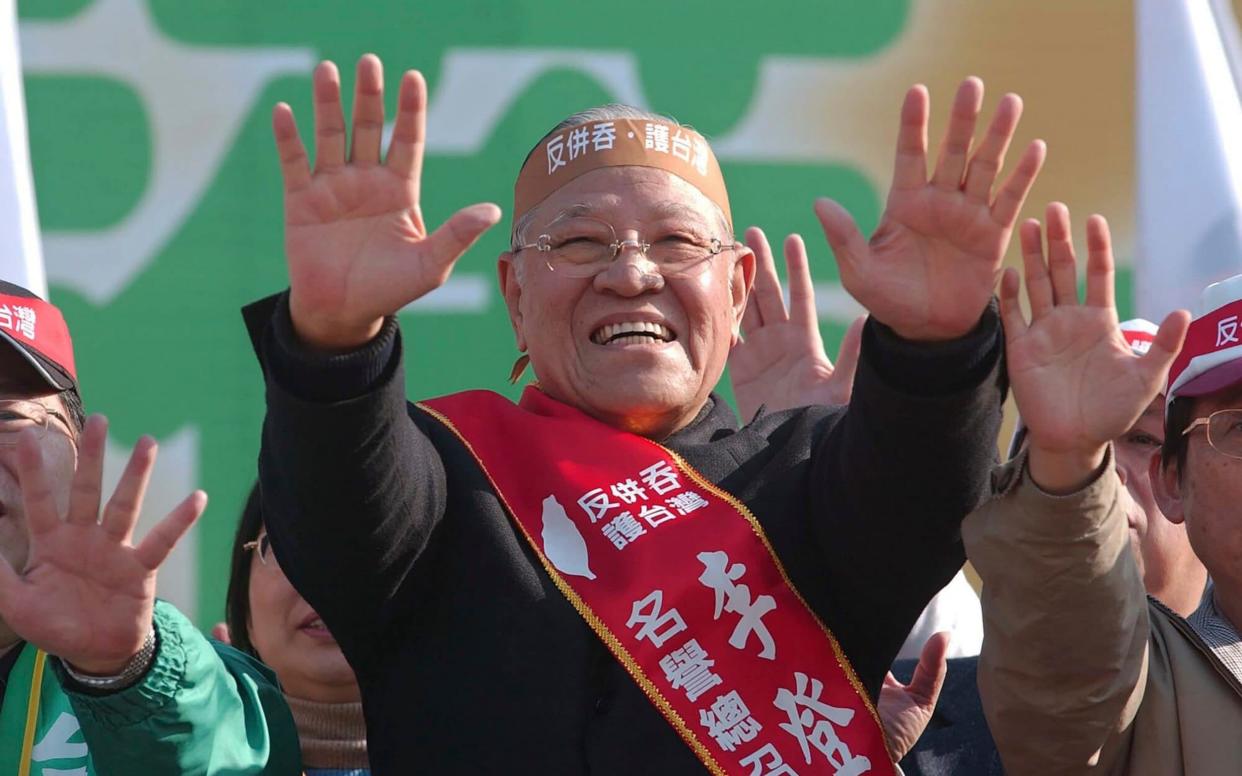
<point x="1139" y="334"/>
<point x="37" y="331"/>
<point x="1211" y="357"/>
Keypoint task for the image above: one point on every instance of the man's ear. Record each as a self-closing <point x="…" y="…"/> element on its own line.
<point x="740" y="283"/>
<point x="1166" y="486"/>
<point x="511" y="290"/>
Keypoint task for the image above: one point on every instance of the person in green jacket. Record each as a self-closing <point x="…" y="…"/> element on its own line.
<point x="96" y="676"/>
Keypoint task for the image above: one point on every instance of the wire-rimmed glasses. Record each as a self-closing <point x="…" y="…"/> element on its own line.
<point x="262" y="546"/>
<point x="17" y="415"/>
<point x="581" y="246"/>
<point x="1224" y="431"/>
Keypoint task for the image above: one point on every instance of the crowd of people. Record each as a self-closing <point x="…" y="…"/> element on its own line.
<point x="619" y="573"/>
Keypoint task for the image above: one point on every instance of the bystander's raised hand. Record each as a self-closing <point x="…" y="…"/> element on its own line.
<point x="780" y="362"/>
<point x="1077" y="383"/>
<point x="87" y="593"/>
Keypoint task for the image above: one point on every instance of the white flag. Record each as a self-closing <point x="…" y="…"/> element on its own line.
<point x="1189" y="124"/>
<point x="21" y="256"/>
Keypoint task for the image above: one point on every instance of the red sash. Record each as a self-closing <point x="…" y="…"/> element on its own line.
<point x="678" y="579"/>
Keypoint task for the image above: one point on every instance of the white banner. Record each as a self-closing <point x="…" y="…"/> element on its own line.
<point x="21" y="257"/>
<point x="1189" y="147"/>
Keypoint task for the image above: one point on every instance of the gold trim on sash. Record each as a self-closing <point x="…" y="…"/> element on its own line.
<point x="737" y="504"/>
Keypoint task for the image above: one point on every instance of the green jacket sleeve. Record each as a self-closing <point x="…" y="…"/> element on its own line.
<point x="202" y="708"/>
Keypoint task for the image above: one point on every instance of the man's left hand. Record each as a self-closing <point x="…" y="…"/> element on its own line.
<point x="930" y="268"/>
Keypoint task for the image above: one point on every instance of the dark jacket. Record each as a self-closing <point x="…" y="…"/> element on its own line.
<point x="957" y="741"/>
<point x="469" y="658"/>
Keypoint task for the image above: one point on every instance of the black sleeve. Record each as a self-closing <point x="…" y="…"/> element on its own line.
<point x="351" y="488"/>
<point x="892" y="481"/>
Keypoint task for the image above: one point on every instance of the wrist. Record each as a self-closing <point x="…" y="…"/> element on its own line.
<point x="1064" y="471"/>
<point x="330" y="336"/>
<point x="923" y="334"/>
<point x="929" y="333"/>
<point x="109" y="675"/>
<point x="100" y="668"/>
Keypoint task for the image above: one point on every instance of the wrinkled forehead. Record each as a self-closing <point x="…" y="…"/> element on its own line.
<point x="629" y="197"/>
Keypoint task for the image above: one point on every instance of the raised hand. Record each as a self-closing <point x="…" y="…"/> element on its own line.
<point x="781" y="362"/>
<point x="905" y="709"/>
<point x="87" y="594"/>
<point x="1076" y="381"/>
<point x="355" y="240"/>
<point x="929" y="270"/>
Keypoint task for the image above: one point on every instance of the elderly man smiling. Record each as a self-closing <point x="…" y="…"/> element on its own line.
<point x="610" y="576"/>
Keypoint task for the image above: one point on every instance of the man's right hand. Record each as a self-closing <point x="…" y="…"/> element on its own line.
<point x="355" y="240"/>
<point x="1076" y="381"/>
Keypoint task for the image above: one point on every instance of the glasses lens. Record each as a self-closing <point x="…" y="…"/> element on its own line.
<point x="579" y="247"/>
<point x="676" y="253"/>
<point x="17" y="416"/>
<point x="1225" y="432"/>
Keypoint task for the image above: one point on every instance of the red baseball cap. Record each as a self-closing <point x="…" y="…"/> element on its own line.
<point x="1211" y="358"/>
<point x="1139" y="334"/>
<point x="37" y="331"/>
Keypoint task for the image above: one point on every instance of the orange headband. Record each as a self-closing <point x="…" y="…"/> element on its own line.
<point x="614" y="143"/>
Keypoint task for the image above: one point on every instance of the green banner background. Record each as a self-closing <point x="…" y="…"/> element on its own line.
<point x="160" y="199"/>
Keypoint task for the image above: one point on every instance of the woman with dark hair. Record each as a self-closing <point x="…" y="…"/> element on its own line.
<point x="269" y="620"/>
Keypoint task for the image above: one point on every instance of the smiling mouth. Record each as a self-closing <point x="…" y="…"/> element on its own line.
<point x="315" y="628"/>
<point x="632" y="333"/>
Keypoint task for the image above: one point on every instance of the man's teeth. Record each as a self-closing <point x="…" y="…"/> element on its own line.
<point x="632" y="332"/>
<point x="315" y="624"/>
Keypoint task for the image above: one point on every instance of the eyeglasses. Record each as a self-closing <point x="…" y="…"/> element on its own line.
<point x="261" y="545"/>
<point x="17" y="415"/>
<point x="582" y="247"/>
<point x="1224" y="431"/>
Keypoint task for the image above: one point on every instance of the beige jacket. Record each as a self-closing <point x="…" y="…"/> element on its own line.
<point x="1081" y="672"/>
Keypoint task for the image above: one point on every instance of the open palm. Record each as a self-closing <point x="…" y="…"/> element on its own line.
<point x="781" y="362"/>
<point x="355" y="240"/>
<point x="930" y="268"/>
<point x="87" y="594"/>
<point x="1076" y="381"/>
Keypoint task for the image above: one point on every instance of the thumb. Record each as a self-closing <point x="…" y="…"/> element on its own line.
<point x="891" y="682"/>
<point x="1166" y="345"/>
<point x="443" y="247"/>
<point x="220" y="632"/>
<point x="1013" y="324"/>
<point x="847" y="242"/>
<point x="929" y="675"/>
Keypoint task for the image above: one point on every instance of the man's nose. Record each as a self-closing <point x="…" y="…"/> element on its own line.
<point x="631" y="272"/>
